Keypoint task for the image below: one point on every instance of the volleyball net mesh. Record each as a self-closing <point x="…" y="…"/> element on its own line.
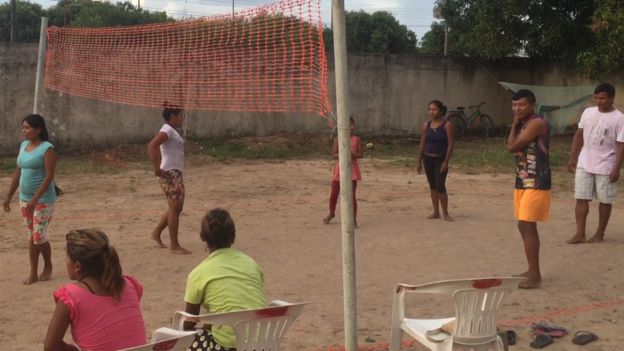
<point x="266" y="59"/>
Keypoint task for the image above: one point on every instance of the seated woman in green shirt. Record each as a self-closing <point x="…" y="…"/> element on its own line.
<point x="227" y="280"/>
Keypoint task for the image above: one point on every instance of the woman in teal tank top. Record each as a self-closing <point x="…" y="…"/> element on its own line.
<point x="34" y="176"/>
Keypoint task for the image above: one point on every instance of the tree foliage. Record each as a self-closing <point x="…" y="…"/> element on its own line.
<point x="432" y="42"/>
<point x="553" y="29"/>
<point x="77" y="13"/>
<point x="89" y="13"/>
<point x="28" y="20"/>
<point x="378" y="32"/>
<point x="606" y="52"/>
<point x="588" y="33"/>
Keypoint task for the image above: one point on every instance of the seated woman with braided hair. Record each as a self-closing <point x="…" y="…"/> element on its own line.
<point x="227" y="280"/>
<point x="103" y="307"/>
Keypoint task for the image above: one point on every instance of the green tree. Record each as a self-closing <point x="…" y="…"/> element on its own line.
<point x="432" y="42"/>
<point x="89" y="13"/>
<point x="606" y="52"/>
<point x="544" y="29"/>
<point x="28" y="21"/>
<point x="378" y="32"/>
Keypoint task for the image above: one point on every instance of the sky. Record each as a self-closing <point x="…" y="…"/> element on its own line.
<point x="417" y="15"/>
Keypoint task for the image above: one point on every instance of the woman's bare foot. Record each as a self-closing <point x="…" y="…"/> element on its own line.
<point x="180" y="251"/>
<point x="46" y="273"/>
<point x="328" y="218"/>
<point x="597" y="238"/>
<point x="577" y="239"/>
<point x="448" y="218"/>
<point x="434" y="216"/>
<point x="31" y="279"/>
<point x="159" y="242"/>
<point x="524" y="275"/>
<point x="530" y="283"/>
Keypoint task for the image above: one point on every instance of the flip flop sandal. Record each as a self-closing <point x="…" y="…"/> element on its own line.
<point x="437" y="335"/>
<point x="508" y="337"/>
<point x="583" y="337"/>
<point x="544" y="327"/>
<point x="541" y="340"/>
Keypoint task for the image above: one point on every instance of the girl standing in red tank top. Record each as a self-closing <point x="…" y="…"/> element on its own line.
<point x="356" y="175"/>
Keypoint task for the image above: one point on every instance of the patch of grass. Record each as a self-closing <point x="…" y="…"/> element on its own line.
<point x="281" y="146"/>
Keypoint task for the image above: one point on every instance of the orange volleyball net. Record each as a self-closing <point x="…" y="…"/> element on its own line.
<point x="266" y="59"/>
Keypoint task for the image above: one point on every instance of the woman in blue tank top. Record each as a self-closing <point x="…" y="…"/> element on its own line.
<point x="436" y="146"/>
<point x="34" y="176"/>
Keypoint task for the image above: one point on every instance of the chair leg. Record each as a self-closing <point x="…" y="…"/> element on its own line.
<point x="396" y="337"/>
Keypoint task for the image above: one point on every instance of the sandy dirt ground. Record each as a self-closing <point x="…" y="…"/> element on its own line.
<point x="278" y="209"/>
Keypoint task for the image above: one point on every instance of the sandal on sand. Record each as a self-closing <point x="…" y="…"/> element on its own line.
<point x="541" y="340"/>
<point x="511" y="337"/>
<point x="437" y="335"/>
<point x="544" y="327"/>
<point x="583" y="337"/>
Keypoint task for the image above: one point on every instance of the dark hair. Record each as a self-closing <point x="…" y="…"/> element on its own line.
<point x="351" y="119"/>
<point x="217" y="229"/>
<point x="524" y="93"/>
<point x="97" y="258"/>
<point x="170" y="110"/>
<point x="439" y="105"/>
<point x="605" y="88"/>
<point x="37" y="122"/>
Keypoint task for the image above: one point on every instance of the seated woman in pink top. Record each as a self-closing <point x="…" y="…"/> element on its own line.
<point x="103" y="306"/>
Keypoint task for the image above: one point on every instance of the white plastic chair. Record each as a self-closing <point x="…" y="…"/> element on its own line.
<point x="178" y="343"/>
<point x="477" y="304"/>
<point x="259" y="329"/>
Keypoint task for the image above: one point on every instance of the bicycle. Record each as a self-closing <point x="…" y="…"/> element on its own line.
<point x="477" y="120"/>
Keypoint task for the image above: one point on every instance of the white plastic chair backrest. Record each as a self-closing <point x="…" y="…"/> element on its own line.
<point x="259" y="329"/>
<point x="477" y="304"/>
<point x="175" y="344"/>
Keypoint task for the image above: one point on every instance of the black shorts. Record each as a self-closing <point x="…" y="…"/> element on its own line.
<point x="437" y="180"/>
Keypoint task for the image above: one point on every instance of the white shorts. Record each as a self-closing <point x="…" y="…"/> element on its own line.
<point x="589" y="186"/>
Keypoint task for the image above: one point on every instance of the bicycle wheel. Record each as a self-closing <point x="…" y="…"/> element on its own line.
<point x="485" y="126"/>
<point x="458" y="123"/>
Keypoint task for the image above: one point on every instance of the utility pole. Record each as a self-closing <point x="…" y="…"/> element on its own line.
<point x="139" y="5"/>
<point x="344" y="158"/>
<point x="13" y="20"/>
<point x="446" y="30"/>
<point x="232" y="8"/>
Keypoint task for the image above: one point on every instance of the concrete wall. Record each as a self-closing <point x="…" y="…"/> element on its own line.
<point x="388" y="96"/>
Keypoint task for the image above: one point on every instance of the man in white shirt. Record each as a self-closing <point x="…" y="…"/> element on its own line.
<point x="596" y="157"/>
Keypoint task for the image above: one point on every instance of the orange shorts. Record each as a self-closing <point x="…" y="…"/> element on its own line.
<point x="531" y="205"/>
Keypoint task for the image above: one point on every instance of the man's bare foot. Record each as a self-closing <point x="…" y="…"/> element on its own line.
<point x="158" y="241"/>
<point x="434" y="216"/>
<point x="46" y="273"/>
<point x="530" y="283"/>
<point x="577" y="239"/>
<point x="328" y="218"/>
<point x="525" y="274"/>
<point x="180" y="251"/>
<point x="448" y="218"/>
<point x="31" y="279"/>
<point x="597" y="238"/>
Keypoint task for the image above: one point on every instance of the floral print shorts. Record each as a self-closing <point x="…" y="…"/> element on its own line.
<point x="36" y="223"/>
<point x="172" y="184"/>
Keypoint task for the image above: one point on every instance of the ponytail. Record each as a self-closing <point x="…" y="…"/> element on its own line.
<point x="112" y="278"/>
<point x="98" y="259"/>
